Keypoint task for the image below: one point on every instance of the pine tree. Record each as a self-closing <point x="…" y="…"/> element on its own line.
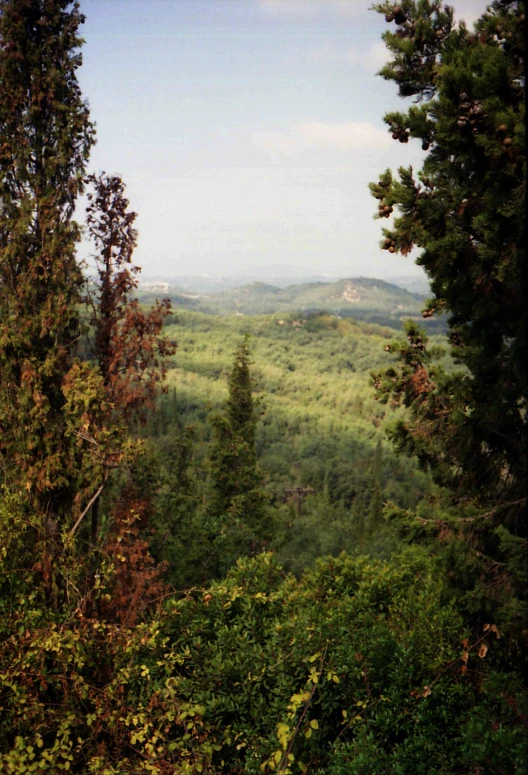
<point x="45" y="139"/>
<point x="465" y="211"/>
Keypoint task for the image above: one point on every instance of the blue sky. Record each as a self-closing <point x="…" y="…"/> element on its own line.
<point x="247" y="131"/>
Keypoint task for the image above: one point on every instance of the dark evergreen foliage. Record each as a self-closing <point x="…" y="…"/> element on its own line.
<point x="465" y="210"/>
<point x="236" y="503"/>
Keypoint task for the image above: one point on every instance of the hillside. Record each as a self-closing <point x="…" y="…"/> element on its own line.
<point x="367" y="299"/>
<point x="319" y="424"/>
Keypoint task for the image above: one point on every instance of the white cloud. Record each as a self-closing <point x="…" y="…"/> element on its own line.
<point x="346" y="138"/>
<point x="309" y="8"/>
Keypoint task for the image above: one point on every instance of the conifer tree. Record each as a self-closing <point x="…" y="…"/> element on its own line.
<point x="465" y="211"/>
<point x="127" y="344"/>
<point x="45" y="139"/>
<point x="236" y="498"/>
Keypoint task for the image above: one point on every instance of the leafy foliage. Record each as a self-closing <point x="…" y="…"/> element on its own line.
<point x="360" y="667"/>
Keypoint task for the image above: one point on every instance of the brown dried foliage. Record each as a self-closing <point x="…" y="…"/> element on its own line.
<point x="421" y="381"/>
<point x="126" y="340"/>
<point x="136" y="585"/>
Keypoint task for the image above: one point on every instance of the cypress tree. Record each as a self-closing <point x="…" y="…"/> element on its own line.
<point x="127" y="342"/>
<point x="45" y="139"/>
<point x="236" y="498"/>
<point x="127" y="345"/>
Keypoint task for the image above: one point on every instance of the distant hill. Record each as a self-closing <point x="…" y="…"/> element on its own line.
<point x="368" y="299"/>
<point x="279" y="276"/>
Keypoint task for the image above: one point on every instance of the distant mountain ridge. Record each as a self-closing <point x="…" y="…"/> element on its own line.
<point x="274" y="276"/>
<point x="372" y="300"/>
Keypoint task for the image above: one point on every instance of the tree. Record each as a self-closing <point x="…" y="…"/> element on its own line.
<point x="45" y="139"/>
<point x="127" y="344"/>
<point x="63" y="420"/>
<point x="236" y="499"/>
<point x="181" y="537"/>
<point x="465" y="211"/>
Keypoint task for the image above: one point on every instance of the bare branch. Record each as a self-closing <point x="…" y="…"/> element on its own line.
<point x="97" y="494"/>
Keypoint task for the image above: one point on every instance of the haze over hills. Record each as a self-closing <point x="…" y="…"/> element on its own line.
<point x="371" y="300"/>
<point x="280" y="276"/>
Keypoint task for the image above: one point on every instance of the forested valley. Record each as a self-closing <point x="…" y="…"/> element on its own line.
<point x="290" y="541"/>
<point x="318" y="428"/>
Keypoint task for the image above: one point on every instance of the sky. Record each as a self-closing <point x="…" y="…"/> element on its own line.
<point x="247" y="131"/>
